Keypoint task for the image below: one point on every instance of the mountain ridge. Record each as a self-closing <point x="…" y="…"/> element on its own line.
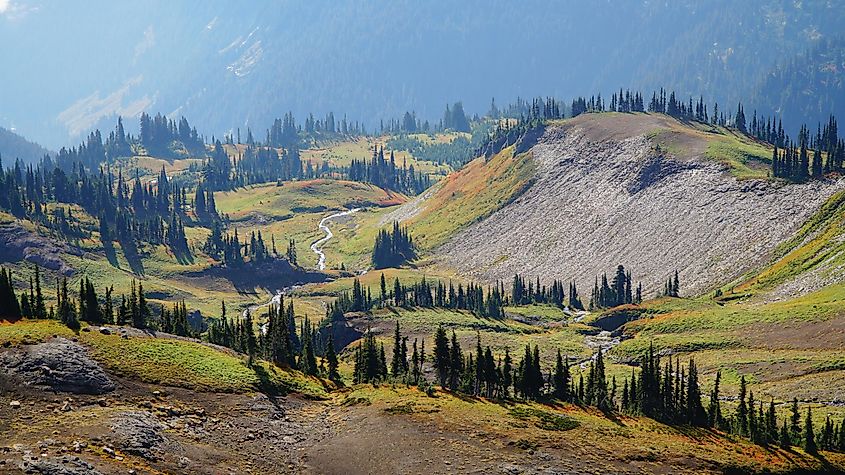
<point x="601" y="200"/>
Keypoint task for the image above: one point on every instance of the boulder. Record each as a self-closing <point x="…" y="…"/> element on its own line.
<point x="58" y="364"/>
<point x="138" y="433"/>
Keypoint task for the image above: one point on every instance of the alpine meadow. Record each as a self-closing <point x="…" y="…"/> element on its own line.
<point x="482" y="237"/>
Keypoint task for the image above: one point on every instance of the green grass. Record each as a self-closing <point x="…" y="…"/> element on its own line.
<point x="544" y="313"/>
<point x="341" y="153"/>
<point x="499" y="334"/>
<point x="773" y="344"/>
<point x="745" y="158"/>
<point x="602" y="443"/>
<point x="470" y="195"/>
<point x="294" y="210"/>
<point x="170" y="362"/>
<point x="818" y="243"/>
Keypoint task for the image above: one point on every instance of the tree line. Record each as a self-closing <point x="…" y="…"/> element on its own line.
<point x="665" y="391"/>
<point x="811" y="156"/>
<point x="278" y="340"/>
<point x="87" y="306"/>
<point x="488" y="302"/>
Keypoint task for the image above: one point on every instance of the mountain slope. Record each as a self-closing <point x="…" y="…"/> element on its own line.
<point x="645" y="191"/>
<point x="228" y="65"/>
<point x="13" y="146"/>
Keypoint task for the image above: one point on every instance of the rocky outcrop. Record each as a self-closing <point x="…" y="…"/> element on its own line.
<point x="19" y="244"/>
<point x="138" y="433"/>
<point x="58" y="364"/>
<point x="605" y="194"/>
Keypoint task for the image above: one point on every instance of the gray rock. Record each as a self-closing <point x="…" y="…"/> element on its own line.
<point x="602" y="194"/>
<point x="58" y="364"/>
<point x="138" y="433"/>
<point x="54" y="466"/>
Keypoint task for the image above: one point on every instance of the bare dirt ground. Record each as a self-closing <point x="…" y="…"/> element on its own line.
<point x="145" y="429"/>
<point x="136" y="430"/>
<point x="604" y="196"/>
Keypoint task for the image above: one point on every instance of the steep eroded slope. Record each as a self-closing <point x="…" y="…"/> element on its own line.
<point x="641" y="190"/>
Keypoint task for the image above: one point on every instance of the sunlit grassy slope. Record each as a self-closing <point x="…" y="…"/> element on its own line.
<point x="168" y="361"/>
<point x="787" y="341"/>
<point x="584" y="437"/>
<point x="294" y="210"/>
<point x="341" y="153"/>
<point x="471" y="194"/>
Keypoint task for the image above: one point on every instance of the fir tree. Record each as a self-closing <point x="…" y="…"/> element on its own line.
<point x="809" y="436"/>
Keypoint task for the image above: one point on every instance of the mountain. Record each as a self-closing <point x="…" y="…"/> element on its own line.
<point x="808" y="85"/>
<point x="229" y="65"/>
<point x="13" y="146"/>
<point x="643" y="190"/>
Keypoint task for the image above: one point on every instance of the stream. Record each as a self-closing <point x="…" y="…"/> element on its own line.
<point x="321" y="261"/>
<point x="317" y="245"/>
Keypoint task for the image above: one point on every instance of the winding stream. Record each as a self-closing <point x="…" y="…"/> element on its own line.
<point x="317" y="245"/>
<point x="321" y="261"/>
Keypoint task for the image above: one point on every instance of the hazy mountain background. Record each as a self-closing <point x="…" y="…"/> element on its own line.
<point x="70" y="66"/>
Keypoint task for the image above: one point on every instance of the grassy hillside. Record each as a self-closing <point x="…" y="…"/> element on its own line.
<point x="578" y="439"/>
<point x="467" y="196"/>
<point x="341" y="153"/>
<point x="169" y="361"/>
<point x="816" y="250"/>
<point x="781" y="326"/>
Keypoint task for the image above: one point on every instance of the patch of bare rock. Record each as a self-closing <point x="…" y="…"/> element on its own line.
<point x="600" y="201"/>
<point x="58" y="364"/>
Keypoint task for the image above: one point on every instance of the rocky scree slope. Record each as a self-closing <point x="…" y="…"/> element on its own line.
<point x="606" y="194"/>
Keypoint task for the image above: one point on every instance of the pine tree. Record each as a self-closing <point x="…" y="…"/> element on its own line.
<point x="809" y="436"/>
<point x="695" y="411"/>
<point x="741" y="416"/>
<point x="456" y="362"/>
<point x="785" y="440"/>
<point x="250" y="344"/>
<point x="795" y="422"/>
<point x="507" y="372"/>
<point x="441" y="355"/>
<point x="714" y="411"/>
<point x="561" y="378"/>
<point x="396" y="366"/>
<point x="40" y="309"/>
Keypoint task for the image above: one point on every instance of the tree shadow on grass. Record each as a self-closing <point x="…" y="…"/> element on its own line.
<point x="111" y="254"/>
<point x="266" y="384"/>
<point x="130" y="252"/>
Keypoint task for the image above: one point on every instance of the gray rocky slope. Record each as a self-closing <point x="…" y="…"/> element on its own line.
<point x="606" y="195"/>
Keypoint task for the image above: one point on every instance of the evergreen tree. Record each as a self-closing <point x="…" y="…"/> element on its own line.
<point x="561" y="378"/>
<point x="695" y="414"/>
<point x="795" y="422"/>
<point x="441" y="355"/>
<point x="331" y="360"/>
<point x="809" y="436"/>
<point x="741" y="417"/>
<point x="714" y="410"/>
<point x="396" y="365"/>
<point x="456" y="362"/>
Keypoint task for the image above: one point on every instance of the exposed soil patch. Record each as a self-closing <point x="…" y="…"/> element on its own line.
<point x="798" y="335"/>
<point x="153" y="429"/>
